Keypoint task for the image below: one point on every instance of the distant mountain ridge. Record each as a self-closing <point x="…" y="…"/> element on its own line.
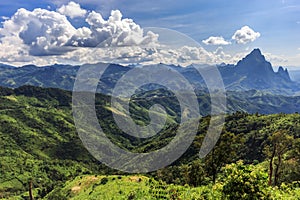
<point x="252" y="72"/>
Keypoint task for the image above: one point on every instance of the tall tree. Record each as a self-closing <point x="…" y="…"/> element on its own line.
<point x="223" y="153"/>
<point x="279" y="143"/>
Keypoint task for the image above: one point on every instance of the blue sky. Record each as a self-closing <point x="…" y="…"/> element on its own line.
<point x="276" y="21"/>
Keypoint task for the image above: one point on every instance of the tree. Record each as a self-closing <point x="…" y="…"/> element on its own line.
<point x="196" y="173"/>
<point x="279" y="143"/>
<point x="192" y="174"/>
<point x="223" y="153"/>
<point x="290" y="168"/>
<point x="30" y="190"/>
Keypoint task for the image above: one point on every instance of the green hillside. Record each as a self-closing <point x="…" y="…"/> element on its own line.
<point x="39" y="144"/>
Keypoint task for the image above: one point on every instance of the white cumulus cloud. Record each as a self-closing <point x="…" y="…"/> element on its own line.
<point x="221" y="55"/>
<point x="44" y="32"/>
<point x="48" y="33"/>
<point x="245" y="35"/>
<point x="112" y="32"/>
<point x="275" y="59"/>
<point x="215" y="41"/>
<point x="72" y="10"/>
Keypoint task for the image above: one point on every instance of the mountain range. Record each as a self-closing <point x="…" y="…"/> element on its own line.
<point x="252" y="72"/>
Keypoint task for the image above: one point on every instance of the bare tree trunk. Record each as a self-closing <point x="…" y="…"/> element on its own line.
<point x="271" y="166"/>
<point x="30" y="190"/>
<point x="276" y="178"/>
<point x="214" y="175"/>
<point x="214" y="170"/>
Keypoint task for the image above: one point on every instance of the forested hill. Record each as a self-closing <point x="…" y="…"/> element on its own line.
<point x="39" y="142"/>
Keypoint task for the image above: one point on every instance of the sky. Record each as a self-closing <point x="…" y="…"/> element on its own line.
<point x="60" y="31"/>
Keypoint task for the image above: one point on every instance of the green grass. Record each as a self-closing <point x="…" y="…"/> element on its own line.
<point x="141" y="187"/>
<point x="128" y="187"/>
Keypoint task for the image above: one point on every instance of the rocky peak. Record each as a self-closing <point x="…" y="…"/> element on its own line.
<point x="283" y="73"/>
<point x="256" y="54"/>
<point x="255" y="64"/>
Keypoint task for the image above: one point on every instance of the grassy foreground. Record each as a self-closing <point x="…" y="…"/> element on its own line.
<point x="129" y="187"/>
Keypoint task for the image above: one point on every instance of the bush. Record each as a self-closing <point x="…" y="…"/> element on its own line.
<point x="243" y="182"/>
<point x="104" y="181"/>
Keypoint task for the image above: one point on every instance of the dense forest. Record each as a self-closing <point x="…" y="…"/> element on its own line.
<point x="256" y="157"/>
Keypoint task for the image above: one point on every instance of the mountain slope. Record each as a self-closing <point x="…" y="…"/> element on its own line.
<point x="38" y="141"/>
<point x="295" y="75"/>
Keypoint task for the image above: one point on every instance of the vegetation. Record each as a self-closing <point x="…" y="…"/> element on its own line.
<point x="257" y="156"/>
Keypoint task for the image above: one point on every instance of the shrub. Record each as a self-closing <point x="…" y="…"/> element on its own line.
<point x="104" y="181"/>
<point x="243" y="182"/>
